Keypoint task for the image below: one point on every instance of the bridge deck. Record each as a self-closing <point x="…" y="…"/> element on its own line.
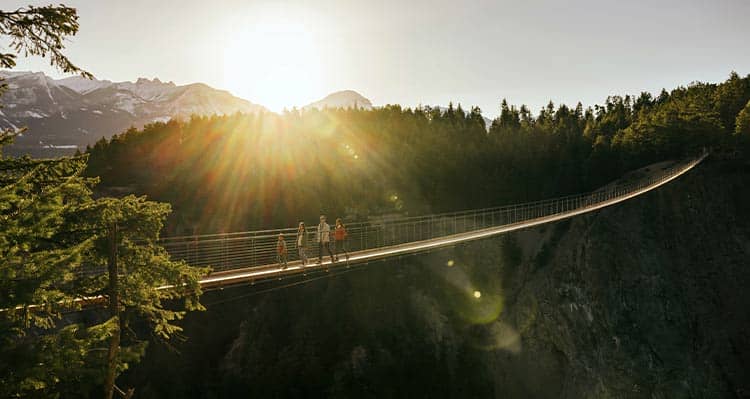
<point x="249" y="274"/>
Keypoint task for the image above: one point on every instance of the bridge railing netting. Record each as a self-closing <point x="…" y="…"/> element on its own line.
<point x="229" y="251"/>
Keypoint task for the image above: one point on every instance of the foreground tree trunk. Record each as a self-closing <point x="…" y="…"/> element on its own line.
<point x="114" y="310"/>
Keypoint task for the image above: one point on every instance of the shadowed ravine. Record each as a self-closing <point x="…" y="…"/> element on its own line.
<point x="636" y="300"/>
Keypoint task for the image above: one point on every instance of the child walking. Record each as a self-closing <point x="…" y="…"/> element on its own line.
<point x="281" y="251"/>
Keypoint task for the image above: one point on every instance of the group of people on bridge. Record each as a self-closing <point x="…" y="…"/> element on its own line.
<point x="322" y="237"/>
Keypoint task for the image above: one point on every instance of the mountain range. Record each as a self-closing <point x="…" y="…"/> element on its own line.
<point x="63" y="115"/>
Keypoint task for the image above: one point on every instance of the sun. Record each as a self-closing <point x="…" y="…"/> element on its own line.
<point x="275" y="63"/>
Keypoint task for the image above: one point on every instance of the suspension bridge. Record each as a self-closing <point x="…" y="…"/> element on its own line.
<point x="250" y="256"/>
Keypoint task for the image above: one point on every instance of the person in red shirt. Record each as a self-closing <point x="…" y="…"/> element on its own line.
<point x="339" y="236"/>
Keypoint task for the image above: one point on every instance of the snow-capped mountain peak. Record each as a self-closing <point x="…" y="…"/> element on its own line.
<point x="341" y="99"/>
<point x="79" y="111"/>
<point x="148" y="89"/>
<point x="83" y="85"/>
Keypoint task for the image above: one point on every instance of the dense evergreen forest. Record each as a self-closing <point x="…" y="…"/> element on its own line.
<point x="226" y="173"/>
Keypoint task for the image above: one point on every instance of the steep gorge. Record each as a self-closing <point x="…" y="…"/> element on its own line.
<point x="643" y="299"/>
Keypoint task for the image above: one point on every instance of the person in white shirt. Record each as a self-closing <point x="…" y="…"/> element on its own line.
<point x="302" y="242"/>
<point x="323" y="237"/>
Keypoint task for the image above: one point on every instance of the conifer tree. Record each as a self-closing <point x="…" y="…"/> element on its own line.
<point x="38" y="258"/>
<point x="38" y="263"/>
<point x="59" y="248"/>
<point x="139" y="277"/>
<point x="742" y="125"/>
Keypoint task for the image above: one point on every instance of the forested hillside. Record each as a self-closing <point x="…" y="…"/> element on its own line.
<point x="268" y="170"/>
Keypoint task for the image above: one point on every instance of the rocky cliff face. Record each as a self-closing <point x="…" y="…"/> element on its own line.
<point x="643" y="299"/>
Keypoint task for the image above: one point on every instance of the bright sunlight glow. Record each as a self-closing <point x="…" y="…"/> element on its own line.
<point x="274" y="62"/>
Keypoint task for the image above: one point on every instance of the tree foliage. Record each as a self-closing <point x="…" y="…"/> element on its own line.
<point x="742" y="125"/>
<point x="54" y="240"/>
<point x="39" y="31"/>
<point x="38" y="274"/>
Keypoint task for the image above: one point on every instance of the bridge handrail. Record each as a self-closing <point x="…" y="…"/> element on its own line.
<point x="227" y="251"/>
<point x="524" y="205"/>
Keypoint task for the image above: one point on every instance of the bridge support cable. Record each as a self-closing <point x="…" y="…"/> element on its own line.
<point x="251" y="255"/>
<point x="242" y="256"/>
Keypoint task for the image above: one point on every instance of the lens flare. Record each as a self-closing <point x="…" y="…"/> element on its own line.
<point x="475" y="303"/>
<point x="496" y="336"/>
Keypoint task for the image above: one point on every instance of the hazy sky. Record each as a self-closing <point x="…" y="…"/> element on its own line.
<point x="286" y="53"/>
